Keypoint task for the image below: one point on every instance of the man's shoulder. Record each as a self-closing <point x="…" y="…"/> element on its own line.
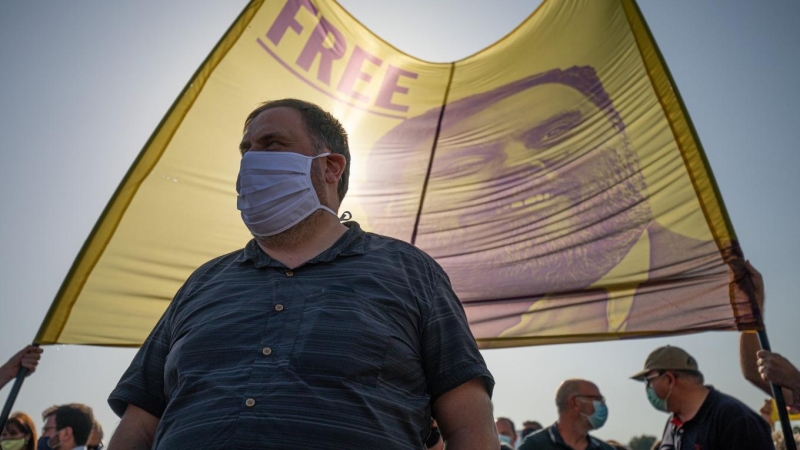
<point x="537" y="440"/>
<point x="222" y="261"/>
<point x="378" y="243"/>
<point x="730" y="419"/>
<point x="731" y="413"/>
<point x="375" y="240"/>
<point x="213" y="268"/>
<point x="728" y="404"/>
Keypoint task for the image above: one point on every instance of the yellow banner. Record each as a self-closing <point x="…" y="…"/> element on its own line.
<point x="794" y="414"/>
<point x="554" y="175"/>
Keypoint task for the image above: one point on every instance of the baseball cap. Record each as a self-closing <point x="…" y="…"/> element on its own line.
<point x="667" y="358"/>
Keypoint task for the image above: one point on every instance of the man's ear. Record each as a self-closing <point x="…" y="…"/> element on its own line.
<point x="335" y="167"/>
<point x="68" y="432"/>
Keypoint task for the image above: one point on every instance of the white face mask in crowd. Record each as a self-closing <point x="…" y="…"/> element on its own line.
<point x="275" y="191"/>
<point x="13" y="444"/>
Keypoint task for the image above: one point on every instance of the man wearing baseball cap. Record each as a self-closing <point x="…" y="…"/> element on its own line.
<point x="701" y="417"/>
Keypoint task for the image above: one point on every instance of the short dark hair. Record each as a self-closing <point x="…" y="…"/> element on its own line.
<point x="530" y="426"/>
<point x="49" y="412"/>
<point x="325" y="131"/>
<point x="77" y="416"/>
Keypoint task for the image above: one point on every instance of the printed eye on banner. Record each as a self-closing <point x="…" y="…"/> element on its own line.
<point x="361" y="79"/>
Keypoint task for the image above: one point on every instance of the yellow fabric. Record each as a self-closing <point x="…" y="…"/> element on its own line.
<point x="776" y="418"/>
<point x="554" y="175"/>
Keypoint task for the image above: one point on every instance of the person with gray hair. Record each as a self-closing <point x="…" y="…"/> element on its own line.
<point x="507" y="433"/>
<point x="581" y="408"/>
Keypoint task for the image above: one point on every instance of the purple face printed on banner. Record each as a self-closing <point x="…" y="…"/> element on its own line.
<point x="533" y="187"/>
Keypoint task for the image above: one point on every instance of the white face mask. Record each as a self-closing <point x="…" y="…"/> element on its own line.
<point x="275" y="191"/>
<point x="13" y="444"/>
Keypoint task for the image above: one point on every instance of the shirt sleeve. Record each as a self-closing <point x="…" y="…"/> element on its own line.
<point x="142" y="384"/>
<point x="449" y="352"/>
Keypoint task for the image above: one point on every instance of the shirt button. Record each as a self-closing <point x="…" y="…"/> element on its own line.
<point x="249" y="402"/>
<point x="289" y="273"/>
<point x="278" y="307"/>
<point x="266" y="351"/>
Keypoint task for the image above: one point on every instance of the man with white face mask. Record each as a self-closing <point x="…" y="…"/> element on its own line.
<point x="701" y="417"/>
<point x="581" y="408"/>
<point x="316" y="335"/>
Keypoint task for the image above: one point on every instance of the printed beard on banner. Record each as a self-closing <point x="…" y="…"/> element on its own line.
<point x="554" y="175"/>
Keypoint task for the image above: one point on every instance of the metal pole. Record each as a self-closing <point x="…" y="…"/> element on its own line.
<point x="777" y="393"/>
<point x="12" y="396"/>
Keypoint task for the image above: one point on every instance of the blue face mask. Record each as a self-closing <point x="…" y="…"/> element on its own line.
<point x="658" y="403"/>
<point x="598" y="419"/>
<point x="505" y="439"/>
<point x="41" y="444"/>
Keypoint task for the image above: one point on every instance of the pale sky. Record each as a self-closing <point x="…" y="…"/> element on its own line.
<point x="84" y="83"/>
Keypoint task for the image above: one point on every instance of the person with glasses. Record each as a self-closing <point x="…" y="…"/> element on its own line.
<point x="700" y="416"/>
<point x="66" y="427"/>
<point x="581" y="408"/>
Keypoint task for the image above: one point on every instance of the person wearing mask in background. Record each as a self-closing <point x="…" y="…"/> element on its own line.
<point x="506" y="432"/>
<point x="19" y="433"/>
<point x="28" y="358"/>
<point x="67" y="427"/>
<point x="581" y="408"/>
<point x="530" y="426"/>
<point x="701" y="417"/>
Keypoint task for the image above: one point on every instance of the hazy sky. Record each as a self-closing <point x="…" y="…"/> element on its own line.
<point x="84" y="83"/>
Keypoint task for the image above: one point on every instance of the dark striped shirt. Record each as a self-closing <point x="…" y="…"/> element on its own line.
<point x="345" y="352"/>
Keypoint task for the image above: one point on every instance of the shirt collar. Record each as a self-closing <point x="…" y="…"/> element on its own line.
<point x="701" y="414"/>
<point x="352" y="242"/>
<point x="555" y="437"/>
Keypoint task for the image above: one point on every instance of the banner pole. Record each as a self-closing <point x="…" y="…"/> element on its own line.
<point x="12" y="396"/>
<point x="777" y="394"/>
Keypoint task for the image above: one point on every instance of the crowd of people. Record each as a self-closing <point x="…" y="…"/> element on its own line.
<point x="673" y="384"/>
<point x="699" y="415"/>
<point x="320" y="335"/>
<point x="68" y="427"/>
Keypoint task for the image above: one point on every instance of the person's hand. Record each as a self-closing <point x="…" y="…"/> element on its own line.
<point x="28" y="357"/>
<point x="774" y="368"/>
